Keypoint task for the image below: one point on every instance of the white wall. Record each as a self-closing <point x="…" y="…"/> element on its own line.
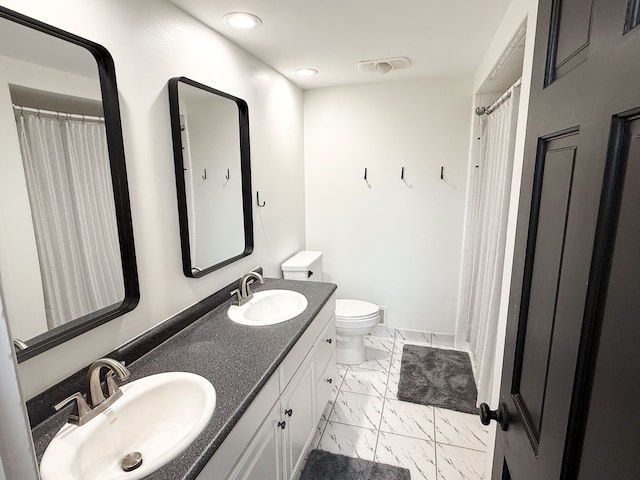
<point x="152" y="41"/>
<point x="391" y="242"/>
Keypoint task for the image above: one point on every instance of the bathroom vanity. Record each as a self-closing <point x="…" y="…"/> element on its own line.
<point x="272" y="384"/>
<point x="273" y="435"/>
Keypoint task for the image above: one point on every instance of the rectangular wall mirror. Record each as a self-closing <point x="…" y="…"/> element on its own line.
<point x="210" y="132"/>
<point x="67" y="260"/>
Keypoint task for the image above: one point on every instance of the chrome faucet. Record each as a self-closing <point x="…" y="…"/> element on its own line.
<point x="83" y="411"/>
<point x="244" y="293"/>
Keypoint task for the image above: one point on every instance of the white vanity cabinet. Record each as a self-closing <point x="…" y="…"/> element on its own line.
<point x="271" y="439"/>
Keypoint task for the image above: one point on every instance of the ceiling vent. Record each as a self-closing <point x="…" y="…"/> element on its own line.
<point x="384" y="65"/>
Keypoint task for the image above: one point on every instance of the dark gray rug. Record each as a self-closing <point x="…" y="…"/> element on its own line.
<point x="442" y="378"/>
<point x="323" y="465"/>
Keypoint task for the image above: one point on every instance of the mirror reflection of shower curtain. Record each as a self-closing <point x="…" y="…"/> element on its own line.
<point x="68" y="178"/>
<point x="486" y="239"/>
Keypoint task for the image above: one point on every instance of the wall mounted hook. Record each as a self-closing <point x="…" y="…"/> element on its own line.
<point x="227" y="176"/>
<point x="445" y="179"/>
<point x="404" y="179"/>
<point x="258" y="199"/>
<point x="204" y="177"/>
<point x="366" y="178"/>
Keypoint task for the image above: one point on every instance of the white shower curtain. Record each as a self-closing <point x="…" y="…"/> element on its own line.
<point x="486" y="239"/>
<point x="68" y="177"/>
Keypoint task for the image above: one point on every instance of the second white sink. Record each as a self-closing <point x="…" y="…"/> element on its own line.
<point x="269" y="307"/>
<point x="157" y="416"/>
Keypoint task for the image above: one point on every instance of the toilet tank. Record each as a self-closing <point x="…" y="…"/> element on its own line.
<point x="305" y="265"/>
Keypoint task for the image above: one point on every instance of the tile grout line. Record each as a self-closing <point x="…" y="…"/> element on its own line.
<point x="463" y="448"/>
<point x="363" y="428"/>
<point x="435" y="433"/>
<point x="360" y="393"/>
<point x="384" y="395"/>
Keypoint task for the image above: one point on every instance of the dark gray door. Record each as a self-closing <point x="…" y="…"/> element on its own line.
<point x="571" y="378"/>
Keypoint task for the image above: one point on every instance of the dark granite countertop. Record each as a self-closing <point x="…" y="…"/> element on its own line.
<point x="238" y="360"/>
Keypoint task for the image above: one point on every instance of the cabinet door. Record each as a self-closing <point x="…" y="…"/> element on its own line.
<point x="297" y="410"/>
<point x="262" y="460"/>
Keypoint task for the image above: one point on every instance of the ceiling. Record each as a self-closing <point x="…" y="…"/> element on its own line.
<point x="442" y="38"/>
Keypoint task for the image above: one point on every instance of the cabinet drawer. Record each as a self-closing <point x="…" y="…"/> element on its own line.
<point x="325" y="346"/>
<point x="324" y="387"/>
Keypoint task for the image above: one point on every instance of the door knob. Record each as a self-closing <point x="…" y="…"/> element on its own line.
<point x="288" y="412"/>
<point x="501" y="415"/>
<point x="282" y="425"/>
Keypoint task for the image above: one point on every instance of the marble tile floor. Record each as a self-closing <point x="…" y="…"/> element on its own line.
<point x="364" y="418"/>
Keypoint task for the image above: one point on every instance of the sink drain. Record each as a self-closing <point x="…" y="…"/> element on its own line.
<point x="131" y="461"/>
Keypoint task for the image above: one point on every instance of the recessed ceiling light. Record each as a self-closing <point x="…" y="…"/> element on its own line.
<point x="242" y="20"/>
<point x="306" y="72"/>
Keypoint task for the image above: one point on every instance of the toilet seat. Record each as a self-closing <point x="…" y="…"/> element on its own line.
<point x="359" y="311"/>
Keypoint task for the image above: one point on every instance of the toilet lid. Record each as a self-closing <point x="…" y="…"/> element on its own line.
<point x="355" y="309"/>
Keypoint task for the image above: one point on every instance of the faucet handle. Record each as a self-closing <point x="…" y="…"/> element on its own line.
<point x="112" y="386"/>
<point x="80" y="409"/>
<point x="238" y="299"/>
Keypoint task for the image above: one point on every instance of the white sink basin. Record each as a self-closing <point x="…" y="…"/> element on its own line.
<point x="269" y="307"/>
<point x="158" y="416"/>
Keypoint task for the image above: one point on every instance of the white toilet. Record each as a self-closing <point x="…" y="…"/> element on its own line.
<point x="354" y="318"/>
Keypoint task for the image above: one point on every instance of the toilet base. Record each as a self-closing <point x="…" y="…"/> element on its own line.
<point x="350" y="350"/>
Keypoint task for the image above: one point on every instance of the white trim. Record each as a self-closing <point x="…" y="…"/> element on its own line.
<point x="17" y="455"/>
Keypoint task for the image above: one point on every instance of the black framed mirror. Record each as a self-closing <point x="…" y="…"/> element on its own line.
<point x="67" y="258"/>
<point x="210" y="131"/>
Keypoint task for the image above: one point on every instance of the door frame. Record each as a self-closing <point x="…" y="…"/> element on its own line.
<point x="519" y="14"/>
<point x="17" y="454"/>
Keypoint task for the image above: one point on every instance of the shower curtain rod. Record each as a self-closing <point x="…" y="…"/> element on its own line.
<point x="74" y="116"/>
<point x="503" y="98"/>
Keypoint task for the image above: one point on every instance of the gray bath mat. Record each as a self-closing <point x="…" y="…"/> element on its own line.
<point x="442" y="378"/>
<point x="323" y="465"/>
